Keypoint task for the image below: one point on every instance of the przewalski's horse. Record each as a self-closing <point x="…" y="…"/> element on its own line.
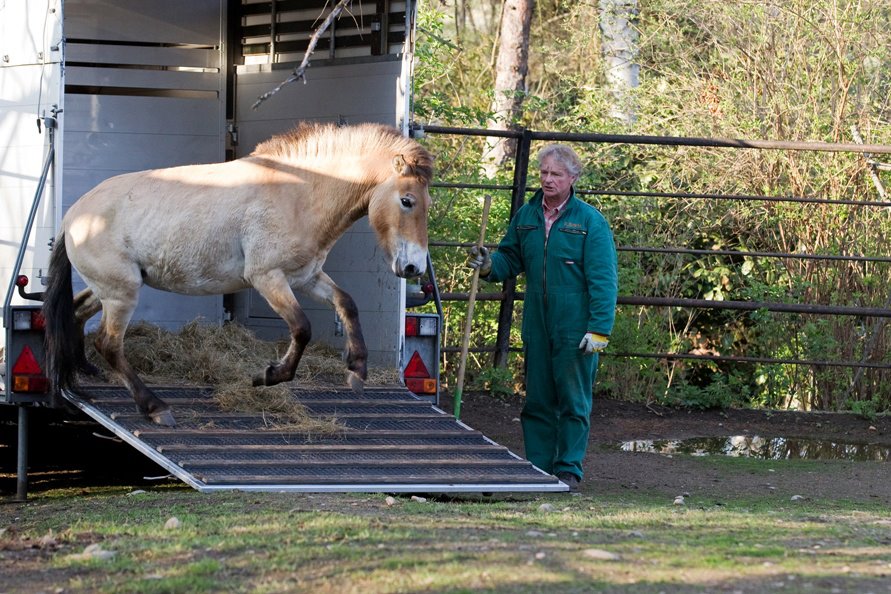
<point x="265" y="221"/>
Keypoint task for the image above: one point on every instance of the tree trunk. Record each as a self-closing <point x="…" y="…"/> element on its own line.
<point x="511" y="68"/>
<point x="619" y="42"/>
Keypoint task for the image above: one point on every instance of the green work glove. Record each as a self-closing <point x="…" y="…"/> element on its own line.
<point x="478" y="258"/>
<point x="593" y="342"/>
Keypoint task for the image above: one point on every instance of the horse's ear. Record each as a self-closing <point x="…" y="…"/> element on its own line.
<point x="400" y="165"/>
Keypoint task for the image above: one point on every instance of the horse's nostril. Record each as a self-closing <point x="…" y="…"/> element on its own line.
<point x="411" y="270"/>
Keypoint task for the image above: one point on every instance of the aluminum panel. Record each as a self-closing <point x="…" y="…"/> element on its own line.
<point x="158" y="21"/>
<point x="80" y="181"/>
<point x="380" y="329"/>
<point x="145" y="56"/>
<point x="355" y="92"/>
<point x="143" y="79"/>
<point x="136" y="152"/>
<point x="115" y="114"/>
<point x="30" y="84"/>
<point x="28" y="32"/>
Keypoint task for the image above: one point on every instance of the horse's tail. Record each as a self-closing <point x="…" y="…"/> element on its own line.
<point x="62" y="338"/>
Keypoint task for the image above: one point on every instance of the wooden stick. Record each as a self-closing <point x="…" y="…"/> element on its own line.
<point x="300" y="71"/>
<point x="471" y="301"/>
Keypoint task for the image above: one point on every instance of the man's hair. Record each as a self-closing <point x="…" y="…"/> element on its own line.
<point x="563" y="155"/>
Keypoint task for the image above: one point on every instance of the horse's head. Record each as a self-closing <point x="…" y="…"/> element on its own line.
<point x="398" y="214"/>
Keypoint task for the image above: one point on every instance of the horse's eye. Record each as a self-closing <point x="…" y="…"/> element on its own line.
<point x="407" y="202"/>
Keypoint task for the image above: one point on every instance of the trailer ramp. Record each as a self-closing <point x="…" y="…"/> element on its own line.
<point x="391" y="442"/>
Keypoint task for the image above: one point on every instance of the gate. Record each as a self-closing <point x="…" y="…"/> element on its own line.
<point x="872" y="318"/>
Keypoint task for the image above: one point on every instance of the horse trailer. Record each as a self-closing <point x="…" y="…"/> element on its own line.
<point x="96" y="88"/>
<point x="92" y="89"/>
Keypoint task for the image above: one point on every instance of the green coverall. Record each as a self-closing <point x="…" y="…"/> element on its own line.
<point x="571" y="288"/>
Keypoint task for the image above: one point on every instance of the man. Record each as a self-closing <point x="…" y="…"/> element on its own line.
<point x="565" y="247"/>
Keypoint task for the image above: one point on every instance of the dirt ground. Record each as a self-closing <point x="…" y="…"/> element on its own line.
<point x="611" y="470"/>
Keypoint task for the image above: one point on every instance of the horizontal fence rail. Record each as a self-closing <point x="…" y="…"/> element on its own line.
<point x="844" y="147"/>
<point x="695" y="252"/>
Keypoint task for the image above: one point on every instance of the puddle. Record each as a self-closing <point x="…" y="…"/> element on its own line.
<point x="773" y="448"/>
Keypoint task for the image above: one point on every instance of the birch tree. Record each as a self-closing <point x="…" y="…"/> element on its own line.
<point x="511" y="69"/>
<point x="619" y="43"/>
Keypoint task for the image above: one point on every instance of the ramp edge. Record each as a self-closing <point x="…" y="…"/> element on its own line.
<point x="134" y="441"/>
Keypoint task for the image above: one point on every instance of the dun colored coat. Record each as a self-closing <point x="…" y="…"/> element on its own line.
<point x="265" y="221"/>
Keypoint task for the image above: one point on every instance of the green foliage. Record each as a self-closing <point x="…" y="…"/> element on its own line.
<point x="806" y="70"/>
<point x="868" y="409"/>
<point x="499" y="381"/>
<point x="721" y="391"/>
<point x="442" y="84"/>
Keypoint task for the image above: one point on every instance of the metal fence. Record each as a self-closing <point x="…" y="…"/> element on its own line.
<point x="518" y="190"/>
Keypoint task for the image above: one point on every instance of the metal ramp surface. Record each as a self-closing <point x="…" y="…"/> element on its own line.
<point x="392" y="442"/>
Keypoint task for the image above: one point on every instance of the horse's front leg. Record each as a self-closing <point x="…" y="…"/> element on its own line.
<point x="324" y="289"/>
<point x="273" y="286"/>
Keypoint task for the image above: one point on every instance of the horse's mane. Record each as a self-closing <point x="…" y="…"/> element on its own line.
<point x="326" y="140"/>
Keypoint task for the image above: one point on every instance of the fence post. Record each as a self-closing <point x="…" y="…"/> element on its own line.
<point x="509" y="288"/>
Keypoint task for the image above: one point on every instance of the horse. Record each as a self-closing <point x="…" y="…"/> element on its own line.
<point x="267" y="221"/>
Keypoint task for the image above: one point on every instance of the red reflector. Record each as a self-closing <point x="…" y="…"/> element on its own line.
<point x="21" y="280"/>
<point x="27" y="376"/>
<point x="421" y="386"/>
<point x="38" y="322"/>
<point x="411" y="326"/>
<point x="416" y="367"/>
<point x="27" y="364"/>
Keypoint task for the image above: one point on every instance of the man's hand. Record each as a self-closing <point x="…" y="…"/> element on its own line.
<point x="478" y="258"/>
<point x="593" y="343"/>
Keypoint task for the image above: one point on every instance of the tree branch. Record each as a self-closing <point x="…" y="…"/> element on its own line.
<point x="300" y="71"/>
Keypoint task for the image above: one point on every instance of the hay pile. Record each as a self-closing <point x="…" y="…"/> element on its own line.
<point x="227" y="357"/>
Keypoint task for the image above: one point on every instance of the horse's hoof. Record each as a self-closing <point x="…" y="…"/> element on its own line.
<point x="262" y="378"/>
<point x="91" y="370"/>
<point x="164" y="417"/>
<point x="356" y="383"/>
<point x="267" y="377"/>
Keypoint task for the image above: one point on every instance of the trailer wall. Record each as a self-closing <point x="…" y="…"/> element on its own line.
<point x="30" y="85"/>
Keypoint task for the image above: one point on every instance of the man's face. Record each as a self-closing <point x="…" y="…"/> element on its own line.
<point x="555" y="180"/>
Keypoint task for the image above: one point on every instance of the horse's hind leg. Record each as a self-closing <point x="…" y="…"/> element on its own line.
<point x="86" y="306"/>
<point x="327" y="290"/>
<point x="110" y="344"/>
<point x="275" y="289"/>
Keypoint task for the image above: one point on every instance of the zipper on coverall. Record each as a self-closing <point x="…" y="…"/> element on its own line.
<point x="544" y="264"/>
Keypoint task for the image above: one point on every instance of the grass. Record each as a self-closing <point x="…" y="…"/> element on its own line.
<point x="268" y="542"/>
